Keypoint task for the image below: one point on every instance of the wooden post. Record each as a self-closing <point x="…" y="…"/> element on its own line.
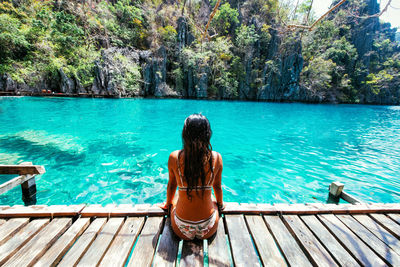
<point x="28" y="189"/>
<point x="335" y="191"/>
<point x="26" y="179"/>
<point x="29" y="192"/>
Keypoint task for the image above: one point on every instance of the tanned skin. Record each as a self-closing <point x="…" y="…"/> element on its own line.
<point x="200" y="206"/>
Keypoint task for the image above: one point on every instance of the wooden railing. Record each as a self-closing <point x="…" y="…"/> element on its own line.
<point x="27" y="173"/>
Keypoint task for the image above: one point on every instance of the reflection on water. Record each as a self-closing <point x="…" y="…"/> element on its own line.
<point x="116" y="151"/>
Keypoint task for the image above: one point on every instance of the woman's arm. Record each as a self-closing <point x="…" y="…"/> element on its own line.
<point x="171" y="187"/>
<point x="217" y="181"/>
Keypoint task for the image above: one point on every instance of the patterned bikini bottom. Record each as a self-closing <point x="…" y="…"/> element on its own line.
<point x="192" y="229"/>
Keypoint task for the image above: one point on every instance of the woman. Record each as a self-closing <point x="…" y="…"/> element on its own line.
<point x="196" y="170"/>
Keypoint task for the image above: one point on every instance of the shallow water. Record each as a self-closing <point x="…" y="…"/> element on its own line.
<point x="116" y="150"/>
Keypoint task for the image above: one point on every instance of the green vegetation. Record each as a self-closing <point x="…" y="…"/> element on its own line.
<point x="248" y="53"/>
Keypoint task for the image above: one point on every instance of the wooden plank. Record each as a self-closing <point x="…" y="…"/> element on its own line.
<point x="122" y="210"/>
<point x="348" y="239"/>
<point x="192" y="253"/>
<point x="287" y="244"/>
<point x="167" y="251"/>
<point x="218" y="251"/>
<point x="21" y="169"/>
<point x="41" y="211"/>
<point x="8" y="249"/>
<point x="386" y="253"/>
<point x="388" y="223"/>
<point x="82" y="244"/>
<point x="379" y="231"/>
<point x="242" y="248"/>
<point x="38" y="245"/>
<point x="8" y="229"/>
<point x="394" y="217"/>
<point x="329" y="241"/>
<point x="54" y="254"/>
<point x="120" y="248"/>
<point x="4" y="187"/>
<point x="317" y="253"/>
<point x="266" y="246"/>
<point x="143" y="252"/>
<point x="2" y="221"/>
<point x="96" y="251"/>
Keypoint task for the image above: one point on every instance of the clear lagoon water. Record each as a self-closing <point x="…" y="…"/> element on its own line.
<point x="116" y="150"/>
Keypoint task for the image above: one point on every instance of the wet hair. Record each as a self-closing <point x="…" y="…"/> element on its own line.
<point x="196" y="135"/>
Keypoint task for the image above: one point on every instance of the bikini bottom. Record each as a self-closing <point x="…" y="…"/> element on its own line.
<point x="192" y="229"/>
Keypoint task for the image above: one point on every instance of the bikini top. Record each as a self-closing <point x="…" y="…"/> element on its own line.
<point x="208" y="186"/>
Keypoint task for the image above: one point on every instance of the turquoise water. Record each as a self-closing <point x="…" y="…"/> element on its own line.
<point x="116" y="150"/>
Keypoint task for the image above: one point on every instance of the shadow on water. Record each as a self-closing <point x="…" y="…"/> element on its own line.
<point x="31" y="150"/>
<point x="117" y="150"/>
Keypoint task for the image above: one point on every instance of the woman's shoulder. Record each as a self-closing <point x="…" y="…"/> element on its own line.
<point x="216" y="154"/>
<point x="174" y="154"/>
<point x="218" y="158"/>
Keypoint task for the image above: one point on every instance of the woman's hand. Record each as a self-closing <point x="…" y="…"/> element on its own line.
<point x="166" y="207"/>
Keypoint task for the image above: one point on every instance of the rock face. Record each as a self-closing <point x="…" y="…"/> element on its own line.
<point x="70" y="85"/>
<point x="184" y="36"/>
<point x="281" y="79"/>
<point x="115" y="71"/>
<point x="7" y="84"/>
<point x="154" y="70"/>
<point x="271" y="70"/>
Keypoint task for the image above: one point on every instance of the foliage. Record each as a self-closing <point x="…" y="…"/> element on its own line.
<point x="12" y="38"/>
<point x="225" y="19"/>
<point x="246" y="36"/>
<point x="214" y="57"/>
<point x="345" y="56"/>
<point x="168" y="35"/>
<point x="317" y="74"/>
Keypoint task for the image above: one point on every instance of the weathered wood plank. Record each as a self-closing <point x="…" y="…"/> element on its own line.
<point x="241" y="245"/>
<point x="357" y="247"/>
<point x="96" y="251"/>
<point x="120" y="248"/>
<point x="329" y="241"/>
<point x="22" y="169"/>
<point x="266" y="246"/>
<point x="8" y="249"/>
<point x="41" y="211"/>
<point x="122" y="210"/>
<point x="143" y="252"/>
<point x="61" y="246"/>
<point x="317" y="253"/>
<point x="10" y="184"/>
<point x="386" y="253"/>
<point x="167" y="251"/>
<point x="394" y="217"/>
<point x="287" y="244"/>
<point x="218" y="251"/>
<point x="192" y="254"/>
<point x="379" y="231"/>
<point x="2" y="221"/>
<point x="388" y="223"/>
<point x="82" y="244"/>
<point x="38" y="245"/>
<point x="8" y="229"/>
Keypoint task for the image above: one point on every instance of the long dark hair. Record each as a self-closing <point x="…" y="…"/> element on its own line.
<point x="196" y="135"/>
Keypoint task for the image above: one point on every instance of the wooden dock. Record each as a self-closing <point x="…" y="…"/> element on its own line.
<point x="248" y="235"/>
